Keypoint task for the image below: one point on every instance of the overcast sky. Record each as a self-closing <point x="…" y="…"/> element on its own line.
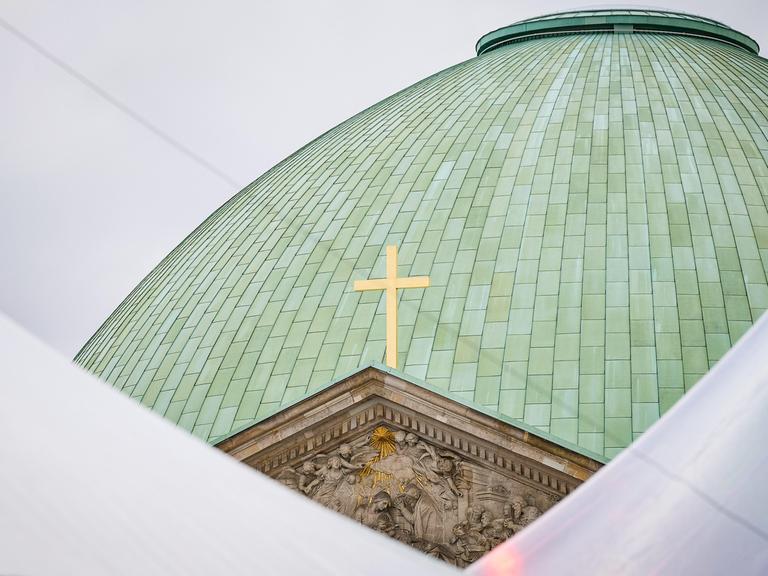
<point x="124" y="124"/>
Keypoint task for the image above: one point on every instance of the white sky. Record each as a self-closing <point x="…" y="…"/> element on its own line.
<point x="91" y="199"/>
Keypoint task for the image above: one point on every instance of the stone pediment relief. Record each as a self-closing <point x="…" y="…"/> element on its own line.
<point x="411" y="463"/>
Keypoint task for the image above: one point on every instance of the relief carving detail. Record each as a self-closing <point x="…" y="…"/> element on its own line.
<point x="420" y="494"/>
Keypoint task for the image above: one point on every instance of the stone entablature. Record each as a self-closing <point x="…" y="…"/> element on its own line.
<point x="409" y="462"/>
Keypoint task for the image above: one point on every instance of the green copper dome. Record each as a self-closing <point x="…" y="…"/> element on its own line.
<point x="590" y="207"/>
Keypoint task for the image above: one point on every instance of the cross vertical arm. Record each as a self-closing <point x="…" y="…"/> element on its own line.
<point x="392" y="306"/>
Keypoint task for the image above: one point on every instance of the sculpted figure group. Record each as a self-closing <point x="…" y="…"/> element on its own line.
<point x="330" y="480"/>
<point x="413" y="492"/>
<point x="480" y="532"/>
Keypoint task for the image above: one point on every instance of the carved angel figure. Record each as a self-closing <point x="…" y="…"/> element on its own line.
<point x="303" y="479"/>
<point x="345" y="453"/>
<point x="414" y="447"/>
<point x="329" y="477"/>
<point x="307" y="477"/>
<point x="442" y="469"/>
<point x="344" y="498"/>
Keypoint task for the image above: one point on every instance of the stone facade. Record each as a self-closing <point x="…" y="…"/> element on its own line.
<point x="408" y="462"/>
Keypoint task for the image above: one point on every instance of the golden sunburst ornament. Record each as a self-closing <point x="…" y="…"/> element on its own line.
<point x="383" y="441"/>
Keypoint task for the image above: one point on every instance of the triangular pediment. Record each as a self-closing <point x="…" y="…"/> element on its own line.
<point x="408" y="461"/>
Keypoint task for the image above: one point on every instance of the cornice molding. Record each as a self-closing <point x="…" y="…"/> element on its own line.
<point x="372" y="397"/>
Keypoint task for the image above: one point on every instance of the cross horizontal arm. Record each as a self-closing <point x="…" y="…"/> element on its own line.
<point x="377" y="284"/>
<point x="413" y="282"/>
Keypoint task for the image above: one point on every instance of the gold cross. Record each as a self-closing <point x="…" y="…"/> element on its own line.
<point x="391" y="283"/>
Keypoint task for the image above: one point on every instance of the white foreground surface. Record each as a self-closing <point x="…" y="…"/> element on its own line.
<point x="92" y="484"/>
<point x="689" y="497"/>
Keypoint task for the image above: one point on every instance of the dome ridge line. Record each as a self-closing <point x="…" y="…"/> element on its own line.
<point x="614" y="21"/>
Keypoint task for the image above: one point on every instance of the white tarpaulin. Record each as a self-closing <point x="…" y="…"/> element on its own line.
<point x="92" y="484"/>
<point x="689" y="497"/>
